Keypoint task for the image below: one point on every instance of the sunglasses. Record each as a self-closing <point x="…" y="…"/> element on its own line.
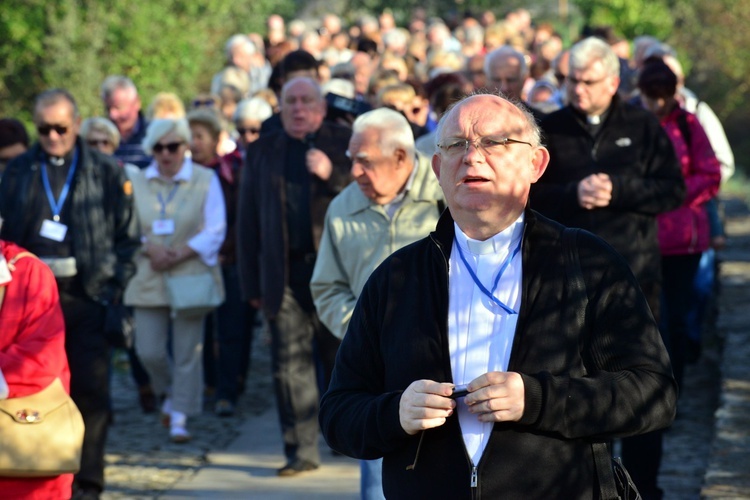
<point x="251" y="130"/>
<point x="95" y="143"/>
<point x="197" y="103"/>
<point x="172" y="147"/>
<point x="47" y="129"/>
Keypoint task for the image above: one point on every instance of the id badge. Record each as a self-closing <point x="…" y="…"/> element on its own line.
<point x="4" y="271"/>
<point x="161" y="227"/>
<point x="52" y="230"/>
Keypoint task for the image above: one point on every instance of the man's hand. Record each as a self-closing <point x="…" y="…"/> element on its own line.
<point x="595" y="191"/>
<point x="496" y="397"/>
<point x="319" y="164"/>
<point x="425" y="404"/>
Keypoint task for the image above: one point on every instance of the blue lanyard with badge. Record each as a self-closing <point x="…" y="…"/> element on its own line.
<point x="490" y="293"/>
<point x="54" y="229"/>
<point x="164" y="226"/>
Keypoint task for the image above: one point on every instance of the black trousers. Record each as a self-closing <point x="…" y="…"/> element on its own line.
<point x="89" y="359"/>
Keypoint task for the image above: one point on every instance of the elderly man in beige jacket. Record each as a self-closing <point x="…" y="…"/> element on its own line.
<point x="395" y="201"/>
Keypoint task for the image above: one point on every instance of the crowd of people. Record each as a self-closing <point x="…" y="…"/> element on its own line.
<point x="318" y="151"/>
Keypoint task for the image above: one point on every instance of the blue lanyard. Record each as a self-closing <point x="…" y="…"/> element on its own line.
<point x="169" y="198"/>
<point x="56" y="206"/>
<point x="484" y="290"/>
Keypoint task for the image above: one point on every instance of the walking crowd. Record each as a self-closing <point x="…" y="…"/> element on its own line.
<point x="389" y="201"/>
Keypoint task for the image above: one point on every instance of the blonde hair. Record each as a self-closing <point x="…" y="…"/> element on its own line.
<point x="165" y="105"/>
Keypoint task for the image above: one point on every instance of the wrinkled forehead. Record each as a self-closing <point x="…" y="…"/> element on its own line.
<point x="484" y="115"/>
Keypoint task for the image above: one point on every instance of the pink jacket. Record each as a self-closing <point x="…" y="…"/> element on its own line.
<point x="685" y="230"/>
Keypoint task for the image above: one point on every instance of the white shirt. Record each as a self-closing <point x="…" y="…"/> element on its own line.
<point x="480" y="332"/>
<point x="207" y="242"/>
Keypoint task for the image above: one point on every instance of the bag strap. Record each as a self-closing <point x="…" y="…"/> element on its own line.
<point x="577" y="301"/>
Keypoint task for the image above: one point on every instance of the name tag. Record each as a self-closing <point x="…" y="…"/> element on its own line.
<point x="4" y="271"/>
<point x="52" y="230"/>
<point x="163" y="226"/>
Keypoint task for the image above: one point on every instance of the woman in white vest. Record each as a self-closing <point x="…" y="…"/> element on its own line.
<point x="183" y="222"/>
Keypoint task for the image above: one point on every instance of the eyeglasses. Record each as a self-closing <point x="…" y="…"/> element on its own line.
<point x="172" y="147"/>
<point x="249" y="130"/>
<point x="586" y="83"/>
<point x="47" y="129"/>
<point x="457" y="146"/>
<point x="95" y="143"/>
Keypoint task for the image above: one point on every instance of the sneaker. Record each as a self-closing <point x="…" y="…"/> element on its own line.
<point x="166" y="411"/>
<point x="224" y="408"/>
<point x="178" y="429"/>
<point x="295" y="468"/>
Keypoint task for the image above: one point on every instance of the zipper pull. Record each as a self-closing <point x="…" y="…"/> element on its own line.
<point x="473" y="476"/>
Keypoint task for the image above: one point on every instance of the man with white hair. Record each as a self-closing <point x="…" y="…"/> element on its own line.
<point x="395" y="201"/>
<point x="243" y="70"/>
<point x="612" y="171"/>
<point x="123" y="104"/>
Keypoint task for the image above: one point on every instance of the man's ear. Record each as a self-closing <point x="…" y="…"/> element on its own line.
<point x="436" y="160"/>
<point x="539" y="163"/>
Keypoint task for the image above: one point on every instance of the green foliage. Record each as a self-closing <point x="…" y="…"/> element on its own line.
<point x="629" y="17"/>
<point x="170" y="45"/>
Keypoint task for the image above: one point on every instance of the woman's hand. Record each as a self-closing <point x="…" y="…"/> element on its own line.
<point x="159" y="255"/>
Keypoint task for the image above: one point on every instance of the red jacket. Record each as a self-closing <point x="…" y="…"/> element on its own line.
<point x="32" y="354"/>
<point x="685" y="230"/>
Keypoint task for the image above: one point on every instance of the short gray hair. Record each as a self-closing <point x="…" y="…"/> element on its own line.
<point x="394" y="128"/>
<point x="241" y="40"/>
<point x="116" y="82"/>
<point x="53" y="96"/>
<point x="314" y="83"/>
<point x="163" y="126"/>
<point x="102" y="125"/>
<point x="591" y="49"/>
<point x="255" y="108"/>
<point x="535" y="133"/>
<point x="505" y="52"/>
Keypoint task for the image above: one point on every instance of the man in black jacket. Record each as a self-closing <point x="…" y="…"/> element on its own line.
<point x="483" y="301"/>
<point x="612" y="171"/>
<point x="290" y="177"/>
<point x="73" y="207"/>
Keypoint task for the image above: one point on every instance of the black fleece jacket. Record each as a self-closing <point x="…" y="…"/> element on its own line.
<point x="398" y="334"/>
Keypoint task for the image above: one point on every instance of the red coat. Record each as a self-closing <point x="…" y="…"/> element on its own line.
<point x="32" y="354"/>
<point x="685" y="230"/>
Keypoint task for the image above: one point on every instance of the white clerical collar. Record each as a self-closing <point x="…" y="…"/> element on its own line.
<point x="496" y="244"/>
<point x="183" y="175"/>
<point x="594" y="119"/>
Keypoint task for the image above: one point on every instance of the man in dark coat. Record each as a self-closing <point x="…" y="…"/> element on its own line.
<point x="612" y="171"/>
<point x="484" y="302"/>
<point x="73" y="207"/>
<point x="290" y="177"/>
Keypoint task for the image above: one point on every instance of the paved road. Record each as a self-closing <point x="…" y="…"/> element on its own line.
<point x="236" y="457"/>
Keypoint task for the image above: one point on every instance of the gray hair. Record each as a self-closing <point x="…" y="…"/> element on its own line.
<point x="505" y="52"/>
<point x="535" y="134"/>
<point x="254" y="108"/>
<point x="116" y="82"/>
<point x="163" y="126"/>
<point x="53" y="96"/>
<point x="102" y="125"/>
<point x="311" y="81"/>
<point x="592" y="49"/>
<point x="239" y="40"/>
<point x="394" y="128"/>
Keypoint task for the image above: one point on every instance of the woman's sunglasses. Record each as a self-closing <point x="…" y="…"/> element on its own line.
<point x="172" y="147"/>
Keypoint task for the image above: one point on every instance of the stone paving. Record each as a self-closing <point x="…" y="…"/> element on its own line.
<point x="706" y="452"/>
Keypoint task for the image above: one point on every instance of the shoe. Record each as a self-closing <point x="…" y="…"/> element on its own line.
<point x="85" y="493"/>
<point x="147" y="399"/>
<point x="166" y="411"/>
<point x="224" y="408"/>
<point x="295" y="468"/>
<point x="178" y="429"/>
